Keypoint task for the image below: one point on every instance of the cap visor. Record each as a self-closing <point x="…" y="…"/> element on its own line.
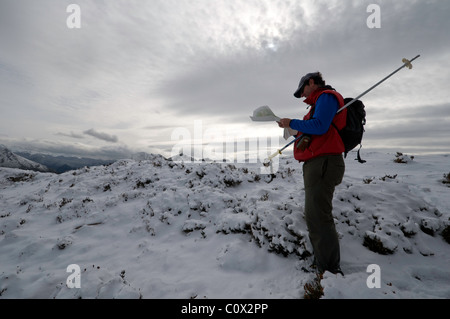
<point x="298" y="93"/>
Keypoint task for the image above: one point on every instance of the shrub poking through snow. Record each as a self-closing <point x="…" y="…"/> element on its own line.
<point x="446" y="179"/>
<point x="313" y="289"/>
<point x="378" y="244"/>
<point x="403" y="158"/>
<point x="446" y="234"/>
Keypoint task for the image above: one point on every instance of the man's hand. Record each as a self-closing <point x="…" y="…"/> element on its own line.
<point x="284" y="123"/>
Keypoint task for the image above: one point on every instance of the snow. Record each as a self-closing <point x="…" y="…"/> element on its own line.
<point x="9" y="159"/>
<point x="156" y="228"/>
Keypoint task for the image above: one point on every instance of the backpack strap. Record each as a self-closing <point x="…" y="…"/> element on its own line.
<point x="358" y="157"/>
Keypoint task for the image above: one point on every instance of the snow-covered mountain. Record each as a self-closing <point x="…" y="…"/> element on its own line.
<point x="158" y="228"/>
<point x="60" y="164"/>
<point x="9" y="159"/>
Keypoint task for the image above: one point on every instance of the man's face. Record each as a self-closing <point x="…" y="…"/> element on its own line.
<point x="308" y="88"/>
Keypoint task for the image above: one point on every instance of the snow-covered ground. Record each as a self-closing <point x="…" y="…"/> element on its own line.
<point x="162" y="229"/>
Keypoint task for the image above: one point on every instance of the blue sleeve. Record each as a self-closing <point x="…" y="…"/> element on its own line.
<point x="326" y="107"/>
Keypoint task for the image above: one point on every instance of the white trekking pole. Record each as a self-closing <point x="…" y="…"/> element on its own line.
<point x="406" y="64"/>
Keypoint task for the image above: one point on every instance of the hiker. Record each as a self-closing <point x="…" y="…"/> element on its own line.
<point x="323" y="169"/>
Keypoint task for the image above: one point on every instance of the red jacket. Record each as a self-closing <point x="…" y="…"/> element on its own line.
<point x="328" y="143"/>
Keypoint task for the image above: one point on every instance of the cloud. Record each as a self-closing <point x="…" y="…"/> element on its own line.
<point x="102" y="136"/>
<point x="71" y="134"/>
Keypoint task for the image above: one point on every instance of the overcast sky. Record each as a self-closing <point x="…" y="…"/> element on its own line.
<point x="137" y="73"/>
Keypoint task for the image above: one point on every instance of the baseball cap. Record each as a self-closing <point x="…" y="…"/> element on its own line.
<point x="303" y="80"/>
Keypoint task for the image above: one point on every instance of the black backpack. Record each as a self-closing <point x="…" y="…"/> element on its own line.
<point x="353" y="131"/>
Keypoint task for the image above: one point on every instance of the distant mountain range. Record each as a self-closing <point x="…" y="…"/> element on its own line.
<point x="45" y="162"/>
<point x="9" y="159"/>
<point x="61" y="164"/>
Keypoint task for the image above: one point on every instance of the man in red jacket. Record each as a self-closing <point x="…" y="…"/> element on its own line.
<point x="323" y="167"/>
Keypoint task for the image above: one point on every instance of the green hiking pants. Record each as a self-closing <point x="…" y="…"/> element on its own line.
<point x="321" y="175"/>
